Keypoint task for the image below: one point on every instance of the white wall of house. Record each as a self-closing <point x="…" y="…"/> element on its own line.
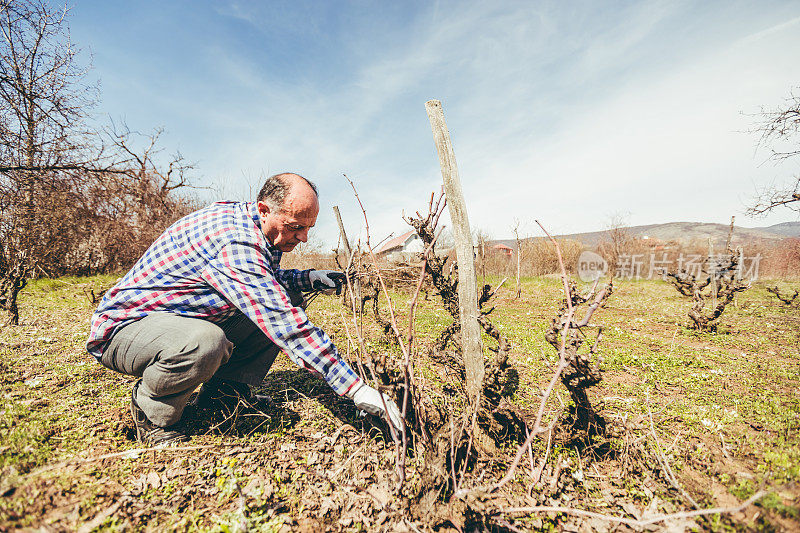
<point x="410" y="250"/>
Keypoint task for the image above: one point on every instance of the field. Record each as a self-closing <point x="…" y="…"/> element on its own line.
<point x="721" y="410"/>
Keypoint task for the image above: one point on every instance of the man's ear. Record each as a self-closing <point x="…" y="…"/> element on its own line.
<point x="263" y="209"/>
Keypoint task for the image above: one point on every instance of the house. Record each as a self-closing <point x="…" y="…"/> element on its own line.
<point x="507" y="251"/>
<point x="405" y="247"/>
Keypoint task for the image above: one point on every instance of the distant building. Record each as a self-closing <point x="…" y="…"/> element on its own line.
<point x="503" y="249"/>
<point x="654" y="244"/>
<point x="406" y="247"/>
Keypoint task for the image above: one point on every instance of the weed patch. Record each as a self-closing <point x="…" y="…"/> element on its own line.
<point x="726" y="409"/>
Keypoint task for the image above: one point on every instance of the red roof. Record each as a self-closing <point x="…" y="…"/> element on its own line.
<point x="394" y="243"/>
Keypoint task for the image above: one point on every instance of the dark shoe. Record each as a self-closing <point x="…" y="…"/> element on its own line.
<point x="149" y="433"/>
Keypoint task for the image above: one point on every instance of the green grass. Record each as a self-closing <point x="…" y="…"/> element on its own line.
<point x="726" y="406"/>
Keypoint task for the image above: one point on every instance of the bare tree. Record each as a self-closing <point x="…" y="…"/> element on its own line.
<point x="581" y="371"/>
<point x="779" y="129"/>
<point x="43" y="104"/>
<point x="771" y="196"/>
<point x="126" y="205"/>
<point x="785" y="298"/>
<point x="718" y="282"/>
<point x="63" y="193"/>
<point x="480" y="238"/>
<point x="619" y="241"/>
<point x="43" y="94"/>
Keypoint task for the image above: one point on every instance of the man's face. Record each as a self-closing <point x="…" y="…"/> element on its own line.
<point x="287" y="227"/>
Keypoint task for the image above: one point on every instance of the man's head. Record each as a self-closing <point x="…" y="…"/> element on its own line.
<point x="288" y="208"/>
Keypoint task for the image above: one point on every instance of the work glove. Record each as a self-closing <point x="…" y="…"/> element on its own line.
<point x="327" y="281"/>
<point x="368" y="399"/>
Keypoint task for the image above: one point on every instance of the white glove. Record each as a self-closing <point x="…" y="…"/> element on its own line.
<point x="327" y="281"/>
<point x="368" y="399"/>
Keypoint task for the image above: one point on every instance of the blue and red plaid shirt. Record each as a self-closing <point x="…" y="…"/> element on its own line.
<point x="212" y="264"/>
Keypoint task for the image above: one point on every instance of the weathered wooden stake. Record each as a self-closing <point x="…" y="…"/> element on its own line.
<point x="730" y="235"/>
<point x="713" y="273"/>
<point x="740" y="266"/>
<point x="519" y="257"/>
<point x="483" y="260"/>
<point x="465" y="255"/>
<point x="349" y="252"/>
<point x="342" y="233"/>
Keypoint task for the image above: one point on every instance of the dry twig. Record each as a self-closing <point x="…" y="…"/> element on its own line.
<point x="662" y="459"/>
<point x="634" y="522"/>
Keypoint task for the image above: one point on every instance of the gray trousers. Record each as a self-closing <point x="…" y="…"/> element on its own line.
<point x="174" y="354"/>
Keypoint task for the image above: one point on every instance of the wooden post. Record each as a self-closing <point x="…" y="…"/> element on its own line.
<point x="348" y="252"/>
<point x="342" y="233"/>
<point x="740" y="266"/>
<point x="519" y="256"/>
<point x="465" y="254"/>
<point x="730" y="235"/>
<point x="729" y="252"/>
<point x="712" y="273"/>
<point x="483" y="260"/>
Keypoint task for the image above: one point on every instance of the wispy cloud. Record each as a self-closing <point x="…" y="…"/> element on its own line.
<point x="564" y="112"/>
<point x="777" y="28"/>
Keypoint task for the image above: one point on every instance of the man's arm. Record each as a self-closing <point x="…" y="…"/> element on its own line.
<point x="328" y="281"/>
<point x="296" y="280"/>
<point x="242" y="275"/>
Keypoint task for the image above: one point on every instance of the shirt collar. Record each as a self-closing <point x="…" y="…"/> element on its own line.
<point x="253" y="207"/>
<point x="271" y="249"/>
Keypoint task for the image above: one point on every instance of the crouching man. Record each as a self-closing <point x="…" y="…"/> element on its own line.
<point x="208" y="304"/>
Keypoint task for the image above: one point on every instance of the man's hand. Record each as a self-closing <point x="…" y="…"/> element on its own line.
<point x="327" y="281"/>
<point x="370" y="400"/>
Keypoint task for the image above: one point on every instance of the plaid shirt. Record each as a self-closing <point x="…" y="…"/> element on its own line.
<point x="210" y="265"/>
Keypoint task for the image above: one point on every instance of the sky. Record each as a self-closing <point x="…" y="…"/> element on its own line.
<point x="571" y="113"/>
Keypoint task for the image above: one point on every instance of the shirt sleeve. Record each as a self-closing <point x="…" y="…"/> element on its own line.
<point x="297" y="280"/>
<point x="242" y="275"/>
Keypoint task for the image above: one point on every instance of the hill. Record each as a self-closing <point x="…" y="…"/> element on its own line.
<point x="691" y="233"/>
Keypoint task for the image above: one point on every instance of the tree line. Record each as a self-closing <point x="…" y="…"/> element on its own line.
<point x="74" y="199"/>
<point x="80" y="199"/>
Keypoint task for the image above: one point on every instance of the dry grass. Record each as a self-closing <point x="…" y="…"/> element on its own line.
<point x="726" y="410"/>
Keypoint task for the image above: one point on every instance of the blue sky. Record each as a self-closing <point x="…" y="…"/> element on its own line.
<point x="567" y="112"/>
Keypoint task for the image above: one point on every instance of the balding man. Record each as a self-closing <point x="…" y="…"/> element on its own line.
<point x="209" y="304"/>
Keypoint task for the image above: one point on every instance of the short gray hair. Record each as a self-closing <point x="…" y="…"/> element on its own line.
<point x="277" y="187"/>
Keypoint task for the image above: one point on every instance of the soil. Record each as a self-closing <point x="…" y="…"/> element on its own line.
<point x="306" y="460"/>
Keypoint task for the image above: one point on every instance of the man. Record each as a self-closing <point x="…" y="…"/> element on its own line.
<point x="208" y="304"/>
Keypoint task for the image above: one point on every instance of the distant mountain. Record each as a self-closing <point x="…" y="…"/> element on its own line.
<point x="689" y="233"/>
<point x="789" y="229"/>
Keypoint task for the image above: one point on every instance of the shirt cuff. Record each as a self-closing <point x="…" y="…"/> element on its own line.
<point x="304" y="280"/>
<point x="342" y="379"/>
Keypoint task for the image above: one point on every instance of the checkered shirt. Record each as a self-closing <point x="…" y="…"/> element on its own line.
<point x="211" y="264"/>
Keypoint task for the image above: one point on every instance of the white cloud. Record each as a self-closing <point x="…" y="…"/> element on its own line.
<point x="564" y="113"/>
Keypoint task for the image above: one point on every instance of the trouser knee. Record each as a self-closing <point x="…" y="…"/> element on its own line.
<point x="202" y="353"/>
